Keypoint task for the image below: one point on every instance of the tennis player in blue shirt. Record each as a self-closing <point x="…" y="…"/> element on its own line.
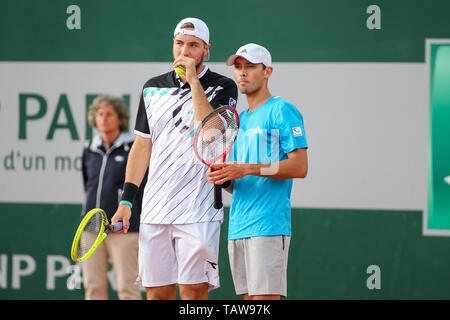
<point x="270" y="150"/>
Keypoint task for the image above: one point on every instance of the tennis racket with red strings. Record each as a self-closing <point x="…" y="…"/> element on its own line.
<point x="213" y="140"/>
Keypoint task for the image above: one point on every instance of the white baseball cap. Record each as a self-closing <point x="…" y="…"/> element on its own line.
<point x="254" y="53"/>
<point x="200" y="31"/>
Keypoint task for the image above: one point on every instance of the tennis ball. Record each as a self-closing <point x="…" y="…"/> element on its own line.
<point x="180" y="70"/>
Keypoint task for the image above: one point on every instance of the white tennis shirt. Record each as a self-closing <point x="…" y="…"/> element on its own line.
<point x="177" y="191"/>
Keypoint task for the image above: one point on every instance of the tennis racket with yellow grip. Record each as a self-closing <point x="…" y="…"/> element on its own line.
<point x="92" y="230"/>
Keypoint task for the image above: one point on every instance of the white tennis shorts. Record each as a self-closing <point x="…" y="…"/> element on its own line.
<point x="179" y="254"/>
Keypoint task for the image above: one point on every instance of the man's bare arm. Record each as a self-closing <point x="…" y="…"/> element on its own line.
<point x="138" y="160"/>
<point x="295" y="166"/>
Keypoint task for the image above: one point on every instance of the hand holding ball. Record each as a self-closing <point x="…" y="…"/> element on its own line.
<point x="180" y="70"/>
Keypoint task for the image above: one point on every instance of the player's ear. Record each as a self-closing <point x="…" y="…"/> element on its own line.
<point x="268" y="72"/>
<point x="207" y="46"/>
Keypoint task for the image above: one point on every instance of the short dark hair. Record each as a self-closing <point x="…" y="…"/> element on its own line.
<point x="187" y="25"/>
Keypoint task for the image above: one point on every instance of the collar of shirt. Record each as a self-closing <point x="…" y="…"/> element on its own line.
<point x="122" y="139"/>
<point x="205" y="69"/>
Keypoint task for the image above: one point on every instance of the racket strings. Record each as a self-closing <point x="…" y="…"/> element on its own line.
<point x="217" y="135"/>
<point x="89" y="235"/>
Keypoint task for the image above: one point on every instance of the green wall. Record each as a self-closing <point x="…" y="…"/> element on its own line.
<point x="328" y="258"/>
<point x="141" y="30"/>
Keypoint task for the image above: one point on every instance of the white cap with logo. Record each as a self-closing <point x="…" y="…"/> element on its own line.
<point x="254" y="53"/>
<point x="200" y="31"/>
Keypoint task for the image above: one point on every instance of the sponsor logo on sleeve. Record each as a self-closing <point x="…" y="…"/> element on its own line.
<point x="297" y="131"/>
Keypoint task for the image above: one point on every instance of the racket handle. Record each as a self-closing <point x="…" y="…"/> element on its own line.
<point x="218" y="197"/>
<point x="117" y="226"/>
<point x="226" y="184"/>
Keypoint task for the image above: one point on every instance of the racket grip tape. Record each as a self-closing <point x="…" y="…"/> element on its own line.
<point x="218" y="197"/>
<point x="117" y="226"/>
<point x="226" y="184"/>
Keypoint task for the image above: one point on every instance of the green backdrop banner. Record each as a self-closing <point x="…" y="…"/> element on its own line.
<point x="141" y="30"/>
<point x="439" y="161"/>
<point x="334" y="254"/>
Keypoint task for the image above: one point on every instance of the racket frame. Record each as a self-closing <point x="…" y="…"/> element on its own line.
<point x="104" y="230"/>
<point x="217" y="188"/>
<point x="200" y="127"/>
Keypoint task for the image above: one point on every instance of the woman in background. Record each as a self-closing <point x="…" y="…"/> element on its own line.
<point x="103" y="165"/>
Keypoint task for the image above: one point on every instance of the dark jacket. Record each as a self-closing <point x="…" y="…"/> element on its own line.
<point x="104" y="174"/>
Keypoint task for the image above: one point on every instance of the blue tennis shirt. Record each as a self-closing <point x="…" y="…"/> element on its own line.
<point x="261" y="206"/>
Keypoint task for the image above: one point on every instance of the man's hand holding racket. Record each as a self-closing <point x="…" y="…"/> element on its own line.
<point x="219" y="173"/>
<point x="123" y="214"/>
